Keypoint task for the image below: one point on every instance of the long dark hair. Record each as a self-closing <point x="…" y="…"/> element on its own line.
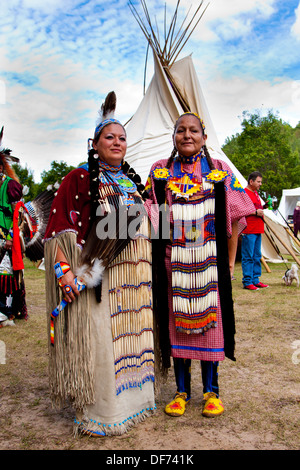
<point x="205" y="149"/>
<point x="94" y="170"/>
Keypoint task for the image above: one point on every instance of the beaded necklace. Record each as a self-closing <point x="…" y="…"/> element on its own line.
<point x="116" y="182"/>
<point x="183" y="184"/>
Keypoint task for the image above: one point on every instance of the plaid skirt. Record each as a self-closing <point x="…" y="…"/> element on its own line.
<point x="208" y="346"/>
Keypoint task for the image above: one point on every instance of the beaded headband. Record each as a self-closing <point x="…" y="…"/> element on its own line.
<point x="105" y="123"/>
<point x="193" y="114"/>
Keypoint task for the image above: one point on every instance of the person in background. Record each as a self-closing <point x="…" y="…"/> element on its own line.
<point x="296" y="219"/>
<point x="12" y="285"/>
<point x="251" y="237"/>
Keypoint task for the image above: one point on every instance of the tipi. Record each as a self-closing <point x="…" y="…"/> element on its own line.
<point x="288" y="202"/>
<point x="173" y="90"/>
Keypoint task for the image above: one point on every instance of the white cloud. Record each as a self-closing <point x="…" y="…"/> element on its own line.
<point x="54" y="119"/>
<point x="48" y="7"/>
<point x="228" y="98"/>
<point x="228" y="19"/>
<point x="296" y="26"/>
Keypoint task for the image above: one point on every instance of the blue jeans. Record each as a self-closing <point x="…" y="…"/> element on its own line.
<point x="209" y="371"/>
<point x="251" y="258"/>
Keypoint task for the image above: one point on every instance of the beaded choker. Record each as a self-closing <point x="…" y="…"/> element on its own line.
<point x="191" y="159"/>
<point x="107" y="167"/>
<point x="112" y="177"/>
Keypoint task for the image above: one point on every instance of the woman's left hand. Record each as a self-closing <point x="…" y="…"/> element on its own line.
<point x="68" y="286"/>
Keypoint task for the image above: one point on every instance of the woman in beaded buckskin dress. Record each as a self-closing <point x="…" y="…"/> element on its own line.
<point x="101" y="343"/>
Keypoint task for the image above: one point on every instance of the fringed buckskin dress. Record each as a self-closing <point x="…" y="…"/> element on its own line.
<point x="102" y="359"/>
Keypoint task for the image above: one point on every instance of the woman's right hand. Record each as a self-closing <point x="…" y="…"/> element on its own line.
<point x="260" y="213"/>
<point x="68" y="279"/>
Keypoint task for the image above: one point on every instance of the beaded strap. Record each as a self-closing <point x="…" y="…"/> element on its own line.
<point x="61" y="268"/>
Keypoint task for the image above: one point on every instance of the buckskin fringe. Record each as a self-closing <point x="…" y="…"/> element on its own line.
<point x="71" y="367"/>
<point x="88" y="426"/>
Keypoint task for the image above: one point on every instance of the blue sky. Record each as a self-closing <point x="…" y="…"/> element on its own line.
<point x="59" y="59"/>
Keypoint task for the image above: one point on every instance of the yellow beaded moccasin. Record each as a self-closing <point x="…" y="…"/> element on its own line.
<point x="213" y="406"/>
<point x="177" y="406"/>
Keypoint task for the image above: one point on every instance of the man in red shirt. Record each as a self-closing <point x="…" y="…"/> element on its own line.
<point x="251" y="236"/>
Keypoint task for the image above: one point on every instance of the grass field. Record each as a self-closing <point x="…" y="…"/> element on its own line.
<point x="260" y="390"/>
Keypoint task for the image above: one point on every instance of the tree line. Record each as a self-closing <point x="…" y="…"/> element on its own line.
<point x="265" y="144"/>
<point x="269" y="145"/>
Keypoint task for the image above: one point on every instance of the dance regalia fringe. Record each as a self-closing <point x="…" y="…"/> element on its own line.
<point x="130" y="303"/>
<point x="8" y="284"/>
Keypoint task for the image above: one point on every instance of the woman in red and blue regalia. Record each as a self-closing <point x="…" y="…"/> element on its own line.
<point x="206" y="207"/>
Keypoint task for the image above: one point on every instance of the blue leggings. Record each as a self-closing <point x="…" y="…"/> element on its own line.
<point x="209" y="371"/>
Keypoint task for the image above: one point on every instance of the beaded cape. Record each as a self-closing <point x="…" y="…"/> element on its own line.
<point x="194" y="253"/>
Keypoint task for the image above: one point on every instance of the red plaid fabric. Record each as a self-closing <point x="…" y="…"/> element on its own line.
<point x="208" y="346"/>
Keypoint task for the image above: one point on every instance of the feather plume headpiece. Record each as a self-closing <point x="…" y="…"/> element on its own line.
<point x="106" y="113"/>
<point x="6" y="158"/>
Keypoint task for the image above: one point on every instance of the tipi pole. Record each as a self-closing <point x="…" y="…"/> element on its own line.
<point x="265" y="264"/>
<point x="284" y="244"/>
<point x="289" y="227"/>
<point x="290" y="232"/>
<point x="173" y="45"/>
<point x="272" y="241"/>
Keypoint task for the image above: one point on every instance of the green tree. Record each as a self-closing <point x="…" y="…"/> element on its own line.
<point x="268" y="145"/>
<point x="55" y="175"/>
<point x="296" y="138"/>
<point x="25" y="176"/>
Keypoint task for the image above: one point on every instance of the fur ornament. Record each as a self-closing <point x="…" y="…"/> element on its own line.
<point x="91" y="275"/>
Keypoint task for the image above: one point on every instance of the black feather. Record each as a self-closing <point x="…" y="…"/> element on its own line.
<point x="109" y="105"/>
